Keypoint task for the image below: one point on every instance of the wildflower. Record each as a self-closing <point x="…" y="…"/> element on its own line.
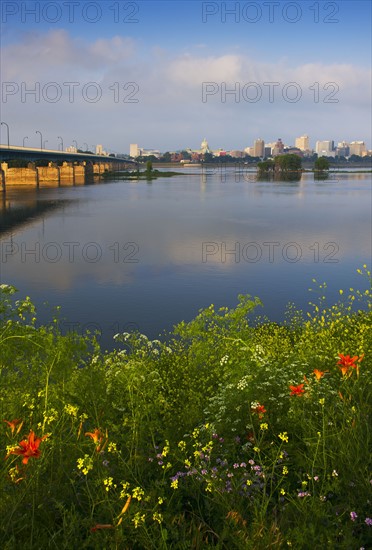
<point x="259" y="409"/>
<point x="85" y="464"/>
<point x="353" y="516"/>
<point x="303" y="494"/>
<point x="297" y="390"/>
<point x="112" y="448"/>
<point x="71" y="410"/>
<point x="334" y="473"/>
<point x="346" y="362"/>
<point x="97" y="437"/>
<point x="138" y="519"/>
<point x="108" y="482"/>
<point x="368" y="521"/>
<point x="282" y="491"/>
<point x="174" y="484"/>
<point x="284" y="437"/>
<point x="29" y="448"/>
<point x="248" y="482"/>
<point x="138" y="493"/>
<point x="285" y="470"/>
<point x="264" y="426"/>
<point x="157" y="517"/>
<point x="319" y="373"/>
<point x="13" y="425"/>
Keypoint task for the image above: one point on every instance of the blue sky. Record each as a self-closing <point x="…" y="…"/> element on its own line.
<point x="150" y="63"/>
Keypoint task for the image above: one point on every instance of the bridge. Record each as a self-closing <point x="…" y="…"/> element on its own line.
<point x="59" y="167"/>
<point x="31" y="154"/>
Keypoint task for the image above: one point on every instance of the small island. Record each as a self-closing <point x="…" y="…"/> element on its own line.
<point x="136" y="175"/>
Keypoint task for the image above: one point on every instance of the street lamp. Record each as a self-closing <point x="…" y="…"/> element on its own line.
<point x="74" y="141"/>
<point x="59" y="137"/>
<point x="41" y="138"/>
<point x="86" y="146"/>
<point x="7" y="128"/>
<point x="45" y="141"/>
<point x="26" y="137"/>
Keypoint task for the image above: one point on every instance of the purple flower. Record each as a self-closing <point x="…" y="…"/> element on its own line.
<point x="236" y="465"/>
<point x="353" y="516"/>
<point x="251" y="462"/>
<point x="204" y="472"/>
<point x="243" y="465"/>
<point x="368" y="521"/>
<point x="303" y="494"/>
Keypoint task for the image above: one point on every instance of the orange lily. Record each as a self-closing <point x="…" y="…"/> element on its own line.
<point x="13" y="425"/>
<point x="97" y="437"/>
<point x="260" y="410"/>
<point x="297" y="390"/>
<point x="319" y="373"/>
<point x="29" y="448"/>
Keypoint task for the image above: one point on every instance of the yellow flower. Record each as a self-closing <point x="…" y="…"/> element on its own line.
<point x="85" y="464"/>
<point x="157" y="517"/>
<point x="285" y="470"/>
<point x="282" y="491"/>
<point x="138" y="493"/>
<point x="174" y="484"/>
<point x="264" y="426"/>
<point x="248" y="482"/>
<point x="284" y="437"/>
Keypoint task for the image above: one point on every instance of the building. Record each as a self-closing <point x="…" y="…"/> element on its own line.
<point x="325" y="148"/>
<point x="303" y="143"/>
<point x="278" y="148"/>
<point x="100" y="151"/>
<point x="358" y="148"/>
<point x="204" y="147"/>
<point x="134" y="150"/>
<point x="259" y="148"/>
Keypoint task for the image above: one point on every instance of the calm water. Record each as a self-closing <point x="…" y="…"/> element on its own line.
<point x="119" y="256"/>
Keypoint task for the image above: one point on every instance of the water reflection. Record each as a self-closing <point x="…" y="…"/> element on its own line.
<point x="132" y="254"/>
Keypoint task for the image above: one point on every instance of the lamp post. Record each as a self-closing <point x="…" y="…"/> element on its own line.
<point x="45" y="141"/>
<point x="7" y="131"/>
<point x="59" y="137"/>
<point x="76" y="145"/>
<point x="41" y="138"/>
<point x="86" y="146"/>
<point x="26" y="137"/>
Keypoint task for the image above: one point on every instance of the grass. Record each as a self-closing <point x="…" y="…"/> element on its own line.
<point x="227" y="435"/>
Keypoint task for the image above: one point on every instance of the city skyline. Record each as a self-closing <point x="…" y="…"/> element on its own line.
<point x="165" y="75"/>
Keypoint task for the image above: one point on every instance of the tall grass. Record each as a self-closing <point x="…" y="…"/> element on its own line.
<point x="229" y="435"/>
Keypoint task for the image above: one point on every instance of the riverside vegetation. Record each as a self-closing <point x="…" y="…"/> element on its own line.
<point x="230" y="434"/>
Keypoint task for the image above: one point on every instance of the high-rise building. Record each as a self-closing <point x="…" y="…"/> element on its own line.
<point x="358" y="148"/>
<point x="259" y="148"/>
<point x="134" y="150"/>
<point x="278" y="148"/>
<point x="325" y="148"/>
<point x="303" y="143"/>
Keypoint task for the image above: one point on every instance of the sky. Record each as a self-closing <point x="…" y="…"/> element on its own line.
<point x="167" y="74"/>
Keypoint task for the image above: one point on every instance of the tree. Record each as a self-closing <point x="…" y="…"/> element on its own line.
<point x="288" y="163"/>
<point x="321" y="164"/>
<point x="148" y="171"/>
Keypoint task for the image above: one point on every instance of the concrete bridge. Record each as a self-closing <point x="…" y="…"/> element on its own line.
<point x="64" y="168"/>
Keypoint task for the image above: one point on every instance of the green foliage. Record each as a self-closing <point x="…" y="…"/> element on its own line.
<point x="192" y="442"/>
<point x="321" y="163"/>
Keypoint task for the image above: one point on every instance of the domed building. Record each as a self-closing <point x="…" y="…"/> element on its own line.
<point x="204" y="146"/>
